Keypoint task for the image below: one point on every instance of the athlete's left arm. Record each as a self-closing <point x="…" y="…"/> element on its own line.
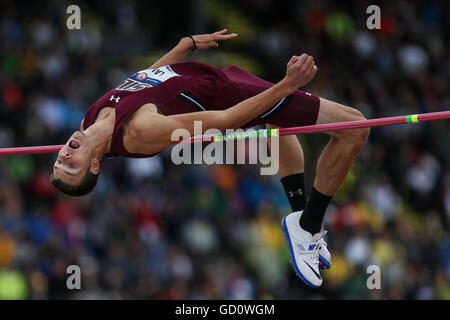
<point x="202" y="42"/>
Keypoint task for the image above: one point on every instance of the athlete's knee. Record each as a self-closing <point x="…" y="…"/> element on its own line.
<point x="331" y="111"/>
<point x="363" y="136"/>
<point x="357" y="137"/>
<point x="362" y="133"/>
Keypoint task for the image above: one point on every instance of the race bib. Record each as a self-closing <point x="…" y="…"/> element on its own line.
<point x="147" y="78"/>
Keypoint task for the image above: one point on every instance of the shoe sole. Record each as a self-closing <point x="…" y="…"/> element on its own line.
<point x="324" y="263"/>
<point x="291" y="252"/>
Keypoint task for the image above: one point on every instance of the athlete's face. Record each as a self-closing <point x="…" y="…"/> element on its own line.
<point x="73" y="159"/>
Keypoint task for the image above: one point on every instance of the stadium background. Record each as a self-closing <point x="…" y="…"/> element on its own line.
<point x="153" y="230"/>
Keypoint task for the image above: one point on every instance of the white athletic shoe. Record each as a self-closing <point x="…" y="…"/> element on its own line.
<point x="324" y="253"/>
<point x="304" y="249"/>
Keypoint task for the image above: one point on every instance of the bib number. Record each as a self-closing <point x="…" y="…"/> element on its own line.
<point x="147" y="78"/>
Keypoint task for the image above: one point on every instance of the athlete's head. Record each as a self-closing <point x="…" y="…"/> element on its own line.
<point x="76" y="168"/>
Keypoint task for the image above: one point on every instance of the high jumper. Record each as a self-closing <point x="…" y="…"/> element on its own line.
<point x="137" y="117"/>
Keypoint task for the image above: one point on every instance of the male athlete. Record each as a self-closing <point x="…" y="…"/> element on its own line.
<point x="137" y="118"/>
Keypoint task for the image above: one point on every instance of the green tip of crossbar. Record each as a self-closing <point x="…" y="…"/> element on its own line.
<point x="413" y="118"/>
<point x="261" y="133"/>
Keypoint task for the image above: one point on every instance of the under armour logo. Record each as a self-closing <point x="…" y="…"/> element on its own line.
<point x="115" y="99"/>
<point x="298" y="191"/>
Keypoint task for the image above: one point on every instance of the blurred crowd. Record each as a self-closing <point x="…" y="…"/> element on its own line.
<point x="154" y="230"/>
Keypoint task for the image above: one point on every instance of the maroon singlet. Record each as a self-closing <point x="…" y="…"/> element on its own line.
<point x="195" y="87"/>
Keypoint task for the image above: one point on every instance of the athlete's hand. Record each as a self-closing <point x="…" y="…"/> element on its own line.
<point x="300" y="71"/>
<point x="206" y="41"/>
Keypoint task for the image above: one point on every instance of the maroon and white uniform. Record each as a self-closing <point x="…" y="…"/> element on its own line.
<point x="196" y="87"/>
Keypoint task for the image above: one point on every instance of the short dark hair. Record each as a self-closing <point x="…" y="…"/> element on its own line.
<point x="87" y="184"/>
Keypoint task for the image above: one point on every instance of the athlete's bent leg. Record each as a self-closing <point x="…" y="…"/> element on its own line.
<point x="340" y="153"/>
<point x="302" y="229"/>
<point x="334" y="162"/>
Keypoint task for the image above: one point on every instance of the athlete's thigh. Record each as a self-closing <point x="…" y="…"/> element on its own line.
<point x="331" y="111"/>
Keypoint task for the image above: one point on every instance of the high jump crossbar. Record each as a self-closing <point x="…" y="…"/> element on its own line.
<point x="327" y="127"/>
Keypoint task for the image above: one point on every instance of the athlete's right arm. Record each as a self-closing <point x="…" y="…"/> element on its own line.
<point x="186" y="44"/>
<point x="154" y="132"/>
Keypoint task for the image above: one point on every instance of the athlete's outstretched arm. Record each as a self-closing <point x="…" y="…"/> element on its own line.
<point x="155" y="131"/>
<point x="202" y="42"/>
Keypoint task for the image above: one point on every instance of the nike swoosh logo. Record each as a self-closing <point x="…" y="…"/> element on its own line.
<point x="317" y="275"/>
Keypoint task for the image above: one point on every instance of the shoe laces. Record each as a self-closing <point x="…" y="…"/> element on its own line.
<point x="314" y="254"/>
<point x="319" y="236"/>
<point x="321" y="241"/>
